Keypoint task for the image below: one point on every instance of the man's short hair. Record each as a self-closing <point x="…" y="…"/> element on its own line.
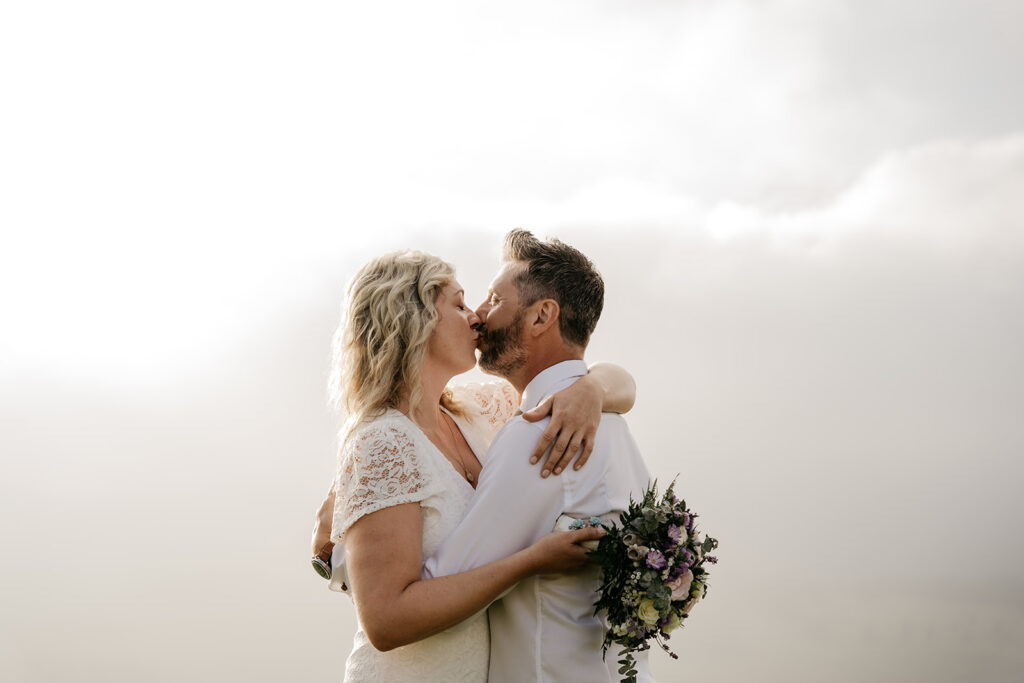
<point x="555" y="270"/>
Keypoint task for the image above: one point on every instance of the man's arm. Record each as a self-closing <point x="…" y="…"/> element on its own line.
<point x="322" y="523"/>
<point x="512" y="506"/>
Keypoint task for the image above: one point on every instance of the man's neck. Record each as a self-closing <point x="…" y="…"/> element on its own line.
<point x="539" y="361"/>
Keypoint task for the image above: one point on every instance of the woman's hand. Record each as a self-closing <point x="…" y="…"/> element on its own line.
<point x="575" y="415"/>
<point x="559" y="552"/>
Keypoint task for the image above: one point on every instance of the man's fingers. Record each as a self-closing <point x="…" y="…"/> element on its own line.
<point x="322" y="522"/>
<point x="321" y="533"/>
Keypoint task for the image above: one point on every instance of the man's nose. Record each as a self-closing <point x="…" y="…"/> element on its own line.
<point x="481" y="313"/>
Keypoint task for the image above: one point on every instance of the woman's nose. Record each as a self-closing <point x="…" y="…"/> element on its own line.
<point x="474" y="319"/>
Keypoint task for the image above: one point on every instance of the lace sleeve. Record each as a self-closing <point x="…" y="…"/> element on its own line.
<point x="378" y="467"/>
<point x="490" y="404"/>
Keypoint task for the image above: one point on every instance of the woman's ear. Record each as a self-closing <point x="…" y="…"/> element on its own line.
<point x="545" y="315"/>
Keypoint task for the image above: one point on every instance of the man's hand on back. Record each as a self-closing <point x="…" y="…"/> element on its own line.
<point x="322" y="523"/>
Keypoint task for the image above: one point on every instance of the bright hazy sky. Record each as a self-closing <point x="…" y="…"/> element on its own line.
<point x="810" y="217"/>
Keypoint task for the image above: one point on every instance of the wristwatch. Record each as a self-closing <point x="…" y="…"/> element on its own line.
<point x="322" y="560"/>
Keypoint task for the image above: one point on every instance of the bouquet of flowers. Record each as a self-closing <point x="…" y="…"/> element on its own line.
<point x="653" y="567"/>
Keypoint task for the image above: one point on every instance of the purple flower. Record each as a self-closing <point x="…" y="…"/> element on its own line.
<point x="655" y="560"/>
<point x="712" y="559"/>
<point x="677" y="571"/>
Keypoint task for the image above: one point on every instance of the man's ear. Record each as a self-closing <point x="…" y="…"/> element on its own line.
<point x="545" y="314"/>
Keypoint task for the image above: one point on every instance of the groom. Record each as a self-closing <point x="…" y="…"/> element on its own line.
<point x="535" y="325"/>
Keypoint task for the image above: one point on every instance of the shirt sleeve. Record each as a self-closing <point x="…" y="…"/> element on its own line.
<point x="512" y="507"/>
<point x="378" y="467"/>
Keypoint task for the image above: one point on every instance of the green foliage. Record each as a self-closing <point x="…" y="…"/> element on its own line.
<point x="627" y="668"/>
<point x="626" y="582"/>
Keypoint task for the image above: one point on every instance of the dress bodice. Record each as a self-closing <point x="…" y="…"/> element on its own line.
<point x="389" y="461"/>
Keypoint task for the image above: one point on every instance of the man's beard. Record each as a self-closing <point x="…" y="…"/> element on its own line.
<point x="504" y="353"/>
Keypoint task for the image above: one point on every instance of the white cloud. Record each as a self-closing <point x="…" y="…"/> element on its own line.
<point x="943" y="194"/>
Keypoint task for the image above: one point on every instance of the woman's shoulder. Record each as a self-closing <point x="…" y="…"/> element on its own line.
<point x="390" y="420"/>
<point x="387" y="433"/>
<point x="380" y="465"/>
<point x="486" y="398"/>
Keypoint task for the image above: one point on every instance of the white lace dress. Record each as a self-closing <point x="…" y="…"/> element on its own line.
<point x="390" y="461"/>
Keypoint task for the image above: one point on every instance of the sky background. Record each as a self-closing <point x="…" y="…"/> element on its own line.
<point x="808" y="216"/>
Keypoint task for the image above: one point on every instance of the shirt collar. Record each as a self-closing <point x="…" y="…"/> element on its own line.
<point x="543" y="385"/>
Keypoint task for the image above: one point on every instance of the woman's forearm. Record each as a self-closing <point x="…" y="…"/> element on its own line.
<point x="426" y="607"/>
<point x="395" y="611"/>
<point x="619" y="387"/>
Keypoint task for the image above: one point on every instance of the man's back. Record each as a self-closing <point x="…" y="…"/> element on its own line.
<point x="549" y="621"/>
<point x="544" y="629"/>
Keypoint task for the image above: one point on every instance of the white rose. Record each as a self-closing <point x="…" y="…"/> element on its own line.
<point x="681" y="586"/>
<point x="647" y="612"/>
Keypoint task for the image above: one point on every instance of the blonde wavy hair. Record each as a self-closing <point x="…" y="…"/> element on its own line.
<point x="386" y="324"/>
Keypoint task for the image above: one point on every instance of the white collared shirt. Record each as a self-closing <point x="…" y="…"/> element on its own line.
<point x="544" y="629"/>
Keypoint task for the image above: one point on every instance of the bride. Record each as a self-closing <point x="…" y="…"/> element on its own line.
<point x="410" y="455"/>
